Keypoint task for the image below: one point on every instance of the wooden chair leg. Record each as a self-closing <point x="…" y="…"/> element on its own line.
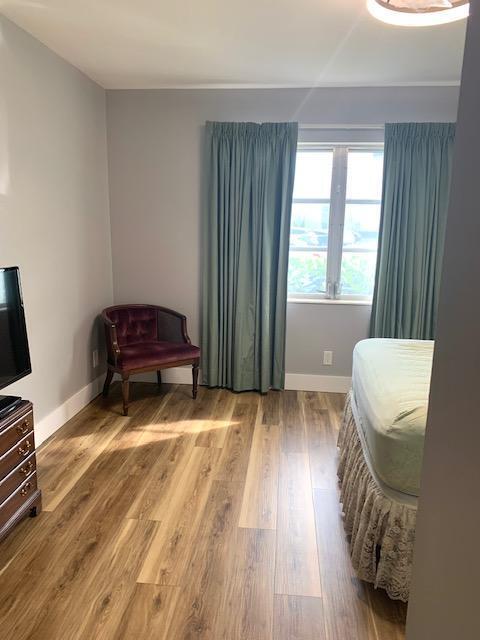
<point x="195" y="380"/>
<point x="108" y="380"/>
<point x="125" y="394"/>
<point x="159" y="378"/>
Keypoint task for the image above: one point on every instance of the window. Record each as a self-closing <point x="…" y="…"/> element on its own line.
<point x="335" y="221"/>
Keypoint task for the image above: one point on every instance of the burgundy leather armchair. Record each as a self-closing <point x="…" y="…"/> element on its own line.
<point x="144" y="337"/>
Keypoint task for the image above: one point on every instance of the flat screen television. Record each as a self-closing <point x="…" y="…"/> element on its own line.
<point x="14" y="352"/>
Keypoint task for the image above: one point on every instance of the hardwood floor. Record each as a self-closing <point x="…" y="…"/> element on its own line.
<point x="211" y="519"/>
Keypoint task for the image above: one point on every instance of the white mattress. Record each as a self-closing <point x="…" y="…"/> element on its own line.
<point x="391" y="383"/>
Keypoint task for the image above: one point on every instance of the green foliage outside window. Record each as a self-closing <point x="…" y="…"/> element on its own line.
<point x="307" y="273"/>
<point x="358" y="273"/>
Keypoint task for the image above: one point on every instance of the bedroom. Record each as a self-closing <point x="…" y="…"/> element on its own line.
<point x="221" y="517"/>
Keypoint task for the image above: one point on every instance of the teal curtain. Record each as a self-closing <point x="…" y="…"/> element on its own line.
<point x="416" y="184"/>
<point x="250" y="171"/>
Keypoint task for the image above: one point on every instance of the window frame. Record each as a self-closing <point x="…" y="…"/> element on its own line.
<point x="338" y="202"/>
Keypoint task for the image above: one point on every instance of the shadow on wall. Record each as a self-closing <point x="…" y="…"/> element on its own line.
<point x="54" y="213"/>
<point x="4" y="149"/>
<point x="84" y="352"/>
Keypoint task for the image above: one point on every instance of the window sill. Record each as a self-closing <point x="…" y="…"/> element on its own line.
<point x="328" y="301"/>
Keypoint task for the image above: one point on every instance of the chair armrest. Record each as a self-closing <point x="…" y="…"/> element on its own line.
<point x="113" y="349"/>
<point x="172" y="326"/>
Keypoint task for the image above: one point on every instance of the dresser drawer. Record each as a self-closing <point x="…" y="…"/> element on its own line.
<point x="15" y="432"/>
<point x="22" y="495"/>
<point x="17" y="477"/>
<point x="19" y="452"/>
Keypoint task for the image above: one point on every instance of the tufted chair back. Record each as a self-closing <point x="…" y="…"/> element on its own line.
<point x="134" y="323"/>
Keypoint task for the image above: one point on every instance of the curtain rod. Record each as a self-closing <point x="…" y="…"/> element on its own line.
<point x="378" y="127"/>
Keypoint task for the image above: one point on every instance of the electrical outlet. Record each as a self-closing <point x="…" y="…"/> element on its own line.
<point x="327" y="357"/>
<point x="95" y="358"/>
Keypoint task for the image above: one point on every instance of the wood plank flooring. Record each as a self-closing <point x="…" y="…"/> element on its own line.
<point x="214" y="519"/>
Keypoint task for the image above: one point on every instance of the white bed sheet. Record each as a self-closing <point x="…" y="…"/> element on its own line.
<point x="391" y="383"/>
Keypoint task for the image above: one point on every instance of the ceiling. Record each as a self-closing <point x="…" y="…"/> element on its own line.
<point x="192" y="43"/>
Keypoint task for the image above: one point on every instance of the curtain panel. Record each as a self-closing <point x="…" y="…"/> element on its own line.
<point x="416" y="185"/>
<point x="250" y="171"/>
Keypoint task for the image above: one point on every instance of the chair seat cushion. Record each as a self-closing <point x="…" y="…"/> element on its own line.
<point x="153" y="354"/>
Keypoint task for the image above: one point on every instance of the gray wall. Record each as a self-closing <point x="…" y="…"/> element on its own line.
<point x="445" y="591"/>
<point x="54" y="219"/>
<point x="155" y="169"/>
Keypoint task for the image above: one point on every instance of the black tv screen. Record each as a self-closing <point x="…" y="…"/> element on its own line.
<point x="14" y="353"/>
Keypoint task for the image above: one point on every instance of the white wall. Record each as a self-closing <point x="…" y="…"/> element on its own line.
<point x="54" y="218"/>
<point x="445" y="590"/>
<point x="54" y="207"/>
<point x="155" y="175"/>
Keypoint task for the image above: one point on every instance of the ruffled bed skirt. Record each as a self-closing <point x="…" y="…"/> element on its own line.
<point x="381" y="529"/>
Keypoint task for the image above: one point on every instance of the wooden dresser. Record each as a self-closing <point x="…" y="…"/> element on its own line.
<point x="19" y="495"/>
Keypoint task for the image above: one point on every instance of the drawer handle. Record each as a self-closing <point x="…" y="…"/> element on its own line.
<point x="26" y="488"/>
<point x="23" y="428"/>
<point x="27" y="468"/>
<point x="24" y="451"/>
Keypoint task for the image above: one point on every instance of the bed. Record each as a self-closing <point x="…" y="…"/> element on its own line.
<point x="381" y="449"/>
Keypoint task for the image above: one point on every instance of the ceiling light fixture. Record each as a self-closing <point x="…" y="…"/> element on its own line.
<point x="418" y="13"/>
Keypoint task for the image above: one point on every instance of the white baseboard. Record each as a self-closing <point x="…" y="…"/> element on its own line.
<point x="312" y="382"/>
<point x="293" y="381"/>
<point x="47" y="426"/>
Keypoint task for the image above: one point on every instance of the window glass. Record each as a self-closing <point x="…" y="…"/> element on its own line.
<point x="309" y="225"/>
<point x="307" y="272"/>
<point x="313" y="174"/>
<point x="358" y="273"/>
<point x="361" y="224"/>
<point x="350" y="208"/>
<point x="365" y="170"/>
